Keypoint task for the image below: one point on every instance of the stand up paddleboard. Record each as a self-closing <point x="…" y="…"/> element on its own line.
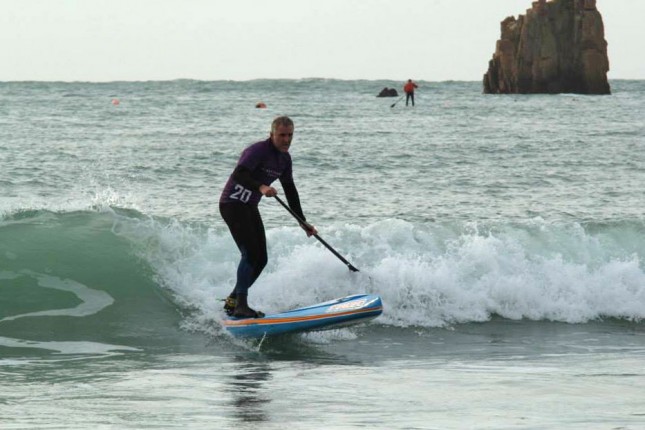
<point x="341" y="312"/>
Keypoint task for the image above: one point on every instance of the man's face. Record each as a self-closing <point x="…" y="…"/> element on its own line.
<point x="281" y="138"/>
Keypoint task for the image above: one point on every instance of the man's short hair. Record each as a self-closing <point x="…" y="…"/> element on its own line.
<point x="281" y="120"/>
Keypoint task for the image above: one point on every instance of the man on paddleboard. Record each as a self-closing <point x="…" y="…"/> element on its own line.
<point x="409" y="88"/>
<point x="259" y="165"/>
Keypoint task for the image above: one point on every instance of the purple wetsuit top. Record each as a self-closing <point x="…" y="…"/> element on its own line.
<point x="266" y="164"/>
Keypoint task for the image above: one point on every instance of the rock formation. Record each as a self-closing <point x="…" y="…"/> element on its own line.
<point x="388" y="92"/>
<point x="559" y="46"/>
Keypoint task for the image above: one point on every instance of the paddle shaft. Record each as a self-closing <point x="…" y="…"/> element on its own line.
<point x="400" y="98"/>
<point x="303" y="222"/>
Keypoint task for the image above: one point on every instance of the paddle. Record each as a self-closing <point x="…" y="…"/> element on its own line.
<point x="333" y="251"/>
<point x="400" y="98"/>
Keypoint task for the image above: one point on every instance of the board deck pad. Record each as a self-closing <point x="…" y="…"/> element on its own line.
<point x="342" y="312"/>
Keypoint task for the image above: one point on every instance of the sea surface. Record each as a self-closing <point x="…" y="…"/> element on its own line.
<point x="505" y="235"/>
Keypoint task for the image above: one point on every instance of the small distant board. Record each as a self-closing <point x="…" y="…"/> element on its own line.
<point x="337" y="313"/>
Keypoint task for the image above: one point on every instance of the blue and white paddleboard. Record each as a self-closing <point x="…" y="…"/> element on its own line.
<point x="342" y="312"/>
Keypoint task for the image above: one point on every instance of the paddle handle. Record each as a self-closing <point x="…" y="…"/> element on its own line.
<point x="303" y="222"/>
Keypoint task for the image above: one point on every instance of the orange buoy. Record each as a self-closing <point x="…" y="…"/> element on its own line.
<point x="115" y="102"/>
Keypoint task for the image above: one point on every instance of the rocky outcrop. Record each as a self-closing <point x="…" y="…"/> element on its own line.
<point x="388" y="92"/>
<point x="559" y="46"/>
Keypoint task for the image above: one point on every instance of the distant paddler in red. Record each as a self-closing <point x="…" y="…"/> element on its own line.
<point x="409" y="91"/>
<point x="115" y="102"/>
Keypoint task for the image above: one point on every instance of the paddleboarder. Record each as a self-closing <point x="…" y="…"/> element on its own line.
<point x="409" y="88"/>
<point x="259" y="165"/>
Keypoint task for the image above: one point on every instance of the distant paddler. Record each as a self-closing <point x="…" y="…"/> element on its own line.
<point x="409" y="88"/>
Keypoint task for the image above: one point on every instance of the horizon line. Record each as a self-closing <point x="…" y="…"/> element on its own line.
<point x="254" y="79"/>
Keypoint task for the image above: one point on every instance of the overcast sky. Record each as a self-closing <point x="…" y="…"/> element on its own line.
<point x="433" y="40"/>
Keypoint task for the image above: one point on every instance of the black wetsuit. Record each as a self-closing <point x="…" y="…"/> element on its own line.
<point x="259" y="164"/>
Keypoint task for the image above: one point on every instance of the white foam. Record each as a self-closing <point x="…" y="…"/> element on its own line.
<point x="427" y="274"/>
<point x="92" y="301"/>
<point x="65" y="347"/>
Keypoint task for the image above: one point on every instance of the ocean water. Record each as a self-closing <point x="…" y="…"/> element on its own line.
<point x="505" y="235"/>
